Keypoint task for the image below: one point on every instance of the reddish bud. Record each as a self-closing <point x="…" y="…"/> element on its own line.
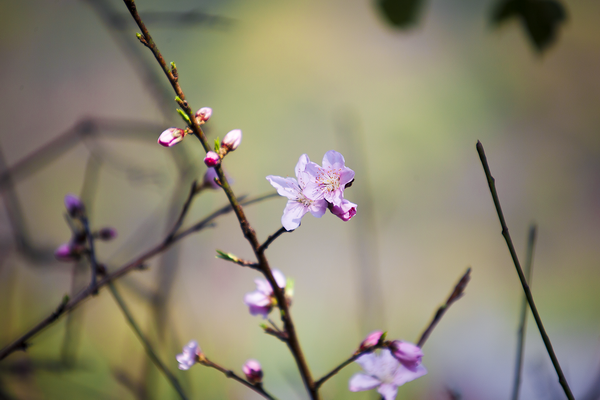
<point x="203" y="114"/>
<point x="171" y="137"/>
<point x="212" y="159"/>
<point x="253" y="371"/>
<point x="371" y="340"/>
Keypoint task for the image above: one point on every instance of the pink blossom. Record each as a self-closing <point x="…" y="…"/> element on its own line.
<point x="171" y="137"/>
<point x="407" y="353"/>
<point x="232" y="140"/>
<point x="203" y="114"/>
<point x="189" y="357"/>
<point x="298" y="203"/>
<point x="329" y="181"/>
<point x="74" y="206"/>
<point x="65" y="252"/>
<point x="253" y="371"/>
<point x="345" y="211"/>
<point x="262" y="300"/>
<point x="383" y="372"/>
<point x="371" y="340"/>
<point x="212" y="159"/>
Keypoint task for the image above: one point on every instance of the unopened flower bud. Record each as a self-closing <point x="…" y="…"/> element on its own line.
<point x="344" y="211"/>
<point x="190" y="356"/>
<point x="212" y="159"/>
<point x="407" y="353"/>
<point x="371" y="340"/>
<point x="171" y="137"/>
<point x="253" y="371"/>
<point x="74" y="206"/>
<point x="64" y="253"/>
<point x="232" y="140"/>
<point x="107" y="233"/>
<point x="203" y="114"/>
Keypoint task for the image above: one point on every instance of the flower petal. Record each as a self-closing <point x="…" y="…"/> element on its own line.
<point x="287" y="187"/>
<point x="333" y="159"/>
<point x="318" y="208"/>
<point x="292" y="214"/>
<point x="301" y="166"/>
<point x="388" y="391"/>
<point x="360" y="382"/>
<point x="404" y="374"/>
<point x="368" y="362"/>
<point x="279" y="278"/>
<point x="257" y="298"/>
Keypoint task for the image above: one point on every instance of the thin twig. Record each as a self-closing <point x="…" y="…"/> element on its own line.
<point x="337" y="369"/>
<point x="92" y="252"/>
<point x="184" y="210"/>
<point x="232" y="375"/>
<point x="456" y="294"/>
<point x="511" y="248"/>
<point x="271" y="239"/>
<point x="249" y="233"/>
<point x="523" y="319"/>
<point x="21" y="342"/>
<point x="145" y="342"/>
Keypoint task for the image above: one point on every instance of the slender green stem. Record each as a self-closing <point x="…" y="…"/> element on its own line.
<point x="523" y="319"/>
<point x="145" y="342"/>
<point x="232" y="375"/>
<point x="511" y="248"/>
<point x="249" y="233"/>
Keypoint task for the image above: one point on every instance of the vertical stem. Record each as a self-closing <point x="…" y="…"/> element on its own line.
<point x="523" y="319"/>
<point x="147" y="346"/>
<point x="511" y="248"/>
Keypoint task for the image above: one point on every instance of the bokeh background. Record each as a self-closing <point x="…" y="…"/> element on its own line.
<point x="405" y="107"/>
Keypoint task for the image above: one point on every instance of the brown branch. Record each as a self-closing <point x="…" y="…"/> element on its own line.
<point x="194" y="190"/>
<point x="232" y="375"/>
<point x="248" y="231"/>
<point x="22" y="342"/>
<point x="271" y="239"/>
<point x="511" y="248"/>
<point x="457" y="293"/>
<point x="353" y="358"/>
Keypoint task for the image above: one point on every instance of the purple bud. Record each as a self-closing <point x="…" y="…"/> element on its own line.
<point x="371" y="340"/>
<point x="407" y="353"/>
<point x="344" y="211"/>
<point x="253" y="371"/>
<point x="107" y="233"/>
<point x="203" y="114"/>
<point x="74" y="206"/>
<point x="232" y="140"/>
<point x="171" y="137"/>
<point x="212" y="159"/>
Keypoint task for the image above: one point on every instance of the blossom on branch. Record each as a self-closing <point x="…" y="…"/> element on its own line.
<point x="408" y="354"/>
<point x="383" y="372"/>
<point x="212" y="159"/>
<point x="298" y="203"/>
<point x="190" y="355"/>
<point x="262" y="300"/>
<point x="329" y="181"/>
<point x="344" y="211"/>
<point x="203" y="114"/>
<point x="371" y="340"/>
<point x="253" y="371"/>
<point x="171" y="137"/>
<point x="232" y="140"/>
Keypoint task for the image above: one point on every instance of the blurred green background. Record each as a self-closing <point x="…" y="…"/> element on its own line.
<point x="405" y="107"/>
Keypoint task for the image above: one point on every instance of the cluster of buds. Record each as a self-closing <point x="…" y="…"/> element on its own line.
<point x="170" y="137"/>
<point x="76" y="247"/>
<point x="230" y="142"/>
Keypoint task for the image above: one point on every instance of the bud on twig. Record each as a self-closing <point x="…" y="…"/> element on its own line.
<point x="212" y="159"/>
<point x="171" y="137"/>
<point x="232" y="140"/>
<point x="203" y="115"/>
<point x="74" y="206"/>
<point x="253" y="371"/>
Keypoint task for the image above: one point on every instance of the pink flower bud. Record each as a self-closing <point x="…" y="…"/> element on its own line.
<point x="74" y="206"/>
<point x="371" y="340"/>
<point x="64" y="253"/>
<point x="344" y="211"/>
<point x="232" y="140"/>
<point x="171" y="137"/>
<point x="212" y="159"/>
<point x="107" y="234"/>
<point x="203" y="114"/>
<point x="253" y="371"/>
<point x="407" y="353"/>
<point x="190" y="356"/>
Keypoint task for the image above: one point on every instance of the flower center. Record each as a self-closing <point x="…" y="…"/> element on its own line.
<point x="329" y="179"/>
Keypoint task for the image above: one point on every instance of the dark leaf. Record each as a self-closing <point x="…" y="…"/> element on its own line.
<point x="400" y="13"/>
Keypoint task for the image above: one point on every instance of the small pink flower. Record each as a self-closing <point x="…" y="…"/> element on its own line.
<point x="203" y="114"/>
<point x="232" y="140"/>
<point x="345" y="211"/>
<point x="298" y="203"/>
<point x="74" y="206"/>
<point x="328" y="182"/>
<point x="383" y="372"/>
<point x="189" y="357"/>
<point x="65" y="253"/>
<point x="171" y="137"/>
<point x="261" y="301"/>
<point x="407" y="353"/>
<point x="253" y="371"/>
<point x="212" y="159"/>
<point x="371" y="340"/>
